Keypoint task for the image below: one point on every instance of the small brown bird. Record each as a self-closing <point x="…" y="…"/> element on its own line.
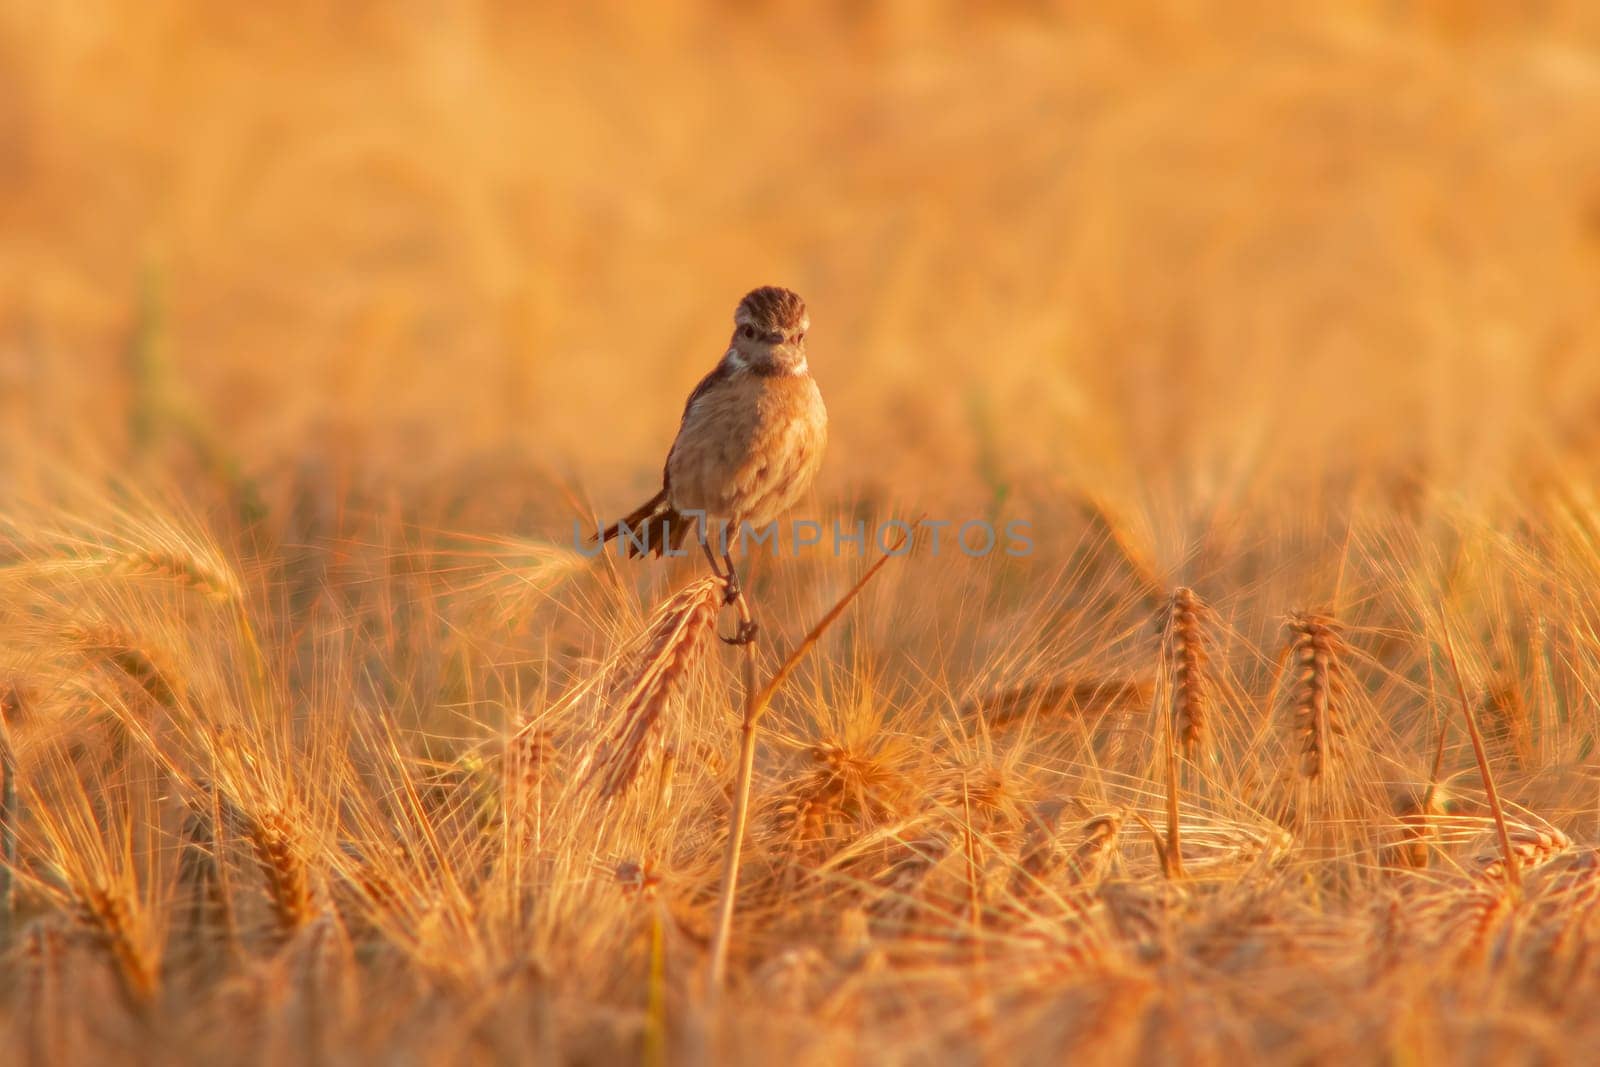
<point x="750" y="442"/>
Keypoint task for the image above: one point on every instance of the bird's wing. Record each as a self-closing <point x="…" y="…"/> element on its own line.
<point x="718" y="374"/>
<point x="721" y="371"/>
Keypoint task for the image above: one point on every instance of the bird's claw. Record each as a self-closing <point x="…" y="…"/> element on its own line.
<point x="746" y="633"/>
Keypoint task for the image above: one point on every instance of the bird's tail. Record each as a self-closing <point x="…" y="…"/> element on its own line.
<point x="653" y="527"/>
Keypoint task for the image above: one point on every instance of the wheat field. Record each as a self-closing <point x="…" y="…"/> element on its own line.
<point x="323" y="324"/>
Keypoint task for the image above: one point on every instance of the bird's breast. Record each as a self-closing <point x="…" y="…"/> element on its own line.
<point x="749" y="445"/>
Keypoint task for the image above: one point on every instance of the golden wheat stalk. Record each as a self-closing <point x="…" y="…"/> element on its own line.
<point x="1510" y="868"/>
<point x="1097" y="845"/>
<point x="288" y="882"/>
<point x="107" y="913"/>
<point x="136" y="660"/>
<point x="674" y="641"/>
<point x="529" y="763"/>
<point x="185" y="568"/>
<point x="847" y="790"/>
<point x="530" y="757"/>
<point x="755" y="706"/>
<point x="1083" y="864"/>
<point x="181" y="565"/>
<point x="1532" y="846"/>
<point x="1418" y="811"/>
<point x="1187" y="658"/>
<point x="1088" y="698"/>
<point x="1316" y="646"/>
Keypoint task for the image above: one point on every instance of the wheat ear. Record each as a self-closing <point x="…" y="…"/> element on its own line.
<point x="1316" y="647"/>
<point x="1187" y="658"/>
<point x="675" y="641"/>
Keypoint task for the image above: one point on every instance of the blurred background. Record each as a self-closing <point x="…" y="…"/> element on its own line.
<point x="478" y="249"/>
<point x="321" y="320"/>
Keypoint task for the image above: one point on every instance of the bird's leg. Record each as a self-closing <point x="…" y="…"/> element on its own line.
<point x="728" y="568"/>
<point x="732" y="594"/>
<point x="711" y="557"/>
<point x="732" y="572"/>
<point x="747" y="625"/>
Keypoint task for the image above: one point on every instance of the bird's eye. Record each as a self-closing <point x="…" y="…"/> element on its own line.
<point x="746" y="332"/>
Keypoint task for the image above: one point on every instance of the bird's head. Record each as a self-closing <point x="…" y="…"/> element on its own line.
<point x="769" y="331"/>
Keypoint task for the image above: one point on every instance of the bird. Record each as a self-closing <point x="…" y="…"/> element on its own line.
<point x="749" y="444"/>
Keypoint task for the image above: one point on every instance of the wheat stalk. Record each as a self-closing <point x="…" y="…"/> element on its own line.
<point x="288" y="883"/>
<point x="531" y="755"/>
<point x="1510" y="868"/>
<point x="1531" y="845"/>
<point x="187" y="569"/>
<point x="109" y="915"/>
<point x="1097" y="844"/>
<point x="1418" y="811"/>
<point x="1084" y="863"/>
<point x="1319" y="686"/>
<point x="1187" y="658"/>
<point x="674" y="641"/>
<point x="135" y="660"/>
<point x="755" y="706"/>
<point x="1089" y="698"/>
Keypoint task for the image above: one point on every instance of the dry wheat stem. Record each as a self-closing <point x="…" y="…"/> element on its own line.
<point x="1172" y="855"/>
<point x="754" y="708"/>
<point x="1513" y="872"/>
<point x="741" y="808"/>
